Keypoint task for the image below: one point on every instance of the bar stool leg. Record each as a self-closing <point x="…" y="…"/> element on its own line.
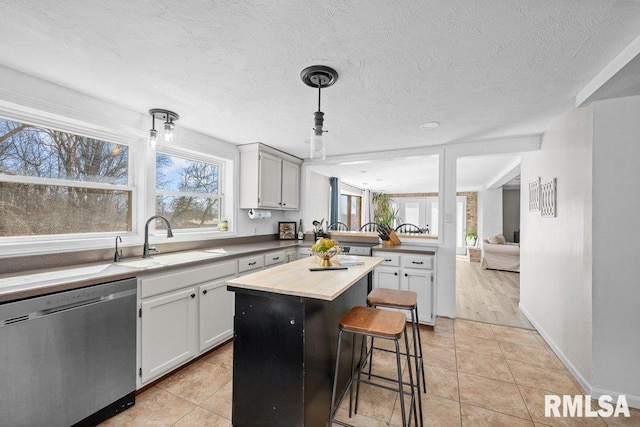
<point x="400" y="385"/>
<point x="362" y="356"/>
<point x="419" y="366"/>
<point x="370" y="358"/>
<point x="424" y="382"/>
<point x="413" y="395"/>
<point x="332" y="411"/>
<point x="353" y="347"/>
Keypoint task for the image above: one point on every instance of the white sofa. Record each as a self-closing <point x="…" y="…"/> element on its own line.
<point x="497" y="254"/>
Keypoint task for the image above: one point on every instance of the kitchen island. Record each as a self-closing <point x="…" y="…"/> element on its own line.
<point x="285" y="339"/>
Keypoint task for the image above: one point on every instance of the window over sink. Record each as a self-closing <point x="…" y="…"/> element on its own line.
<point x="54" y="182"/>
<point x="189" y="191"/>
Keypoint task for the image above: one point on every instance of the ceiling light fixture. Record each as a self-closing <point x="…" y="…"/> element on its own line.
<point x="169" y="127"/>
<point x="430" y="125"/>
<point x="318" y="76"/>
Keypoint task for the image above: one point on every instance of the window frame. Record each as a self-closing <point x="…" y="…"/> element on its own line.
<point x="359" y="201"/>
<point x="196" y="156"/>
<point x="49" y="243"/>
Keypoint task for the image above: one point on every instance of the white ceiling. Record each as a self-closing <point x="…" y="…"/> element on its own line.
<point x="483" y="68"/>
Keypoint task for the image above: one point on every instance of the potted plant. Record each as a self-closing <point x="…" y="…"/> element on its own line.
<point x="470" y="236"/>
<point x="383" y="212"/>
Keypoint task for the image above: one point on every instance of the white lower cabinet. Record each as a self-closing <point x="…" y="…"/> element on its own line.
<point x="290" y="255"/>
<point x="216" y="313"/>
<point x="274" y="258"/>
<point x="182" y="314"/>
<point x="304" y="253"/>
<point x="421" y="282"/>
<point x="167" y="332"/>
<point x="413" y="272"/>
<point x="386" y="277"/>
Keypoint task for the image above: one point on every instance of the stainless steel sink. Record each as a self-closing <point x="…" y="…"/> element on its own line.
<point x="172" y="259"/>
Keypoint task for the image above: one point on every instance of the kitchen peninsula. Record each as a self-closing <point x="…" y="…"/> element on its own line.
<point x="285" y="339"/>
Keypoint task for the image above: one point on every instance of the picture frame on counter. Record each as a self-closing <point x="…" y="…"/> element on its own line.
<point x="287" y="230"/>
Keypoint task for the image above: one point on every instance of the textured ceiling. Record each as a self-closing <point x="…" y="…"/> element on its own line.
<point x="483" y="68"/>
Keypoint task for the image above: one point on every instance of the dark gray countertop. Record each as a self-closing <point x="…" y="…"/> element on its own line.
<point x="33" y="283"/>
<point x="413" y="249"/>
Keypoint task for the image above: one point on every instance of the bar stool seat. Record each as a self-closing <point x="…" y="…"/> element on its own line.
<point x="392" y="298"/>
<point x="367" y="320"/>
<point x="383" y="324"/>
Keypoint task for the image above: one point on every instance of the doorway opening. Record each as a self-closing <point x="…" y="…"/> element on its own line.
<point x="488" y="201"/>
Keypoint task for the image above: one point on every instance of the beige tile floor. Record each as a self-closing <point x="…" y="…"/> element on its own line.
<point x="478" y="374"/>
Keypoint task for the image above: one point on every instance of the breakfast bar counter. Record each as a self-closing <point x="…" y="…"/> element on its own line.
<point x="285" y="339"/>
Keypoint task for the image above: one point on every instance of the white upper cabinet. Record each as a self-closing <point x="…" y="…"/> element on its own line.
<point x="269" y="181"/>
<point x="268" y="178"/>
<point x="290" y="185"/>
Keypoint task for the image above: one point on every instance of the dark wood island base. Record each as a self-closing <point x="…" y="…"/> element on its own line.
<point x="284" y="355"/>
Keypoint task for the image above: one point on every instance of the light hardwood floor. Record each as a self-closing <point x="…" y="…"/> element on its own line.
<point x="489" y="296"/>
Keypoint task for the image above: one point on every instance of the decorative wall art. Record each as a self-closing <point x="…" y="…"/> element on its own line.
<point x="534" y="195"/>
<point x="287" y="230"/>
<point x="548" y="198"/>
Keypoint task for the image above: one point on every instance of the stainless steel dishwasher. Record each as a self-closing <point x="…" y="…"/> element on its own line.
<point x="68" y="358"/>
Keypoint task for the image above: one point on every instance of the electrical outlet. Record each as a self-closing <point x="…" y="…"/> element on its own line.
<point x="448" y="218"/>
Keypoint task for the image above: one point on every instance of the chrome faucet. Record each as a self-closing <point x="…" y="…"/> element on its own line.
<point x="118" y="255"/>
<point x="146" y="249"/>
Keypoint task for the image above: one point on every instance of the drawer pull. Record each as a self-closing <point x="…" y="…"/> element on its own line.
<point x="253" y="263"/>
<point x="193" y="295"/>
<point x="388" y="260"/>
<point x="417" y="262"/>
<point x="204" y="291"/>
<point x="276" y="258"/>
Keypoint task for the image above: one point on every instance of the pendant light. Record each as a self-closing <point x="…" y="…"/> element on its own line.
<point x="318" y="76"/>
<point x="169" y="127"/>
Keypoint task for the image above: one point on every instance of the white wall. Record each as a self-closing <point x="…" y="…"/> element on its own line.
<point x="315" y="198"/>
<point x="489" y="213"/>
<point x="555" y="257"/>
<point x="616" y="288"/>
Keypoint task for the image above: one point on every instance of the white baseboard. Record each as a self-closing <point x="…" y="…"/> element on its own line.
<point x="583" y="382"/>
<point x="632" y="401"/>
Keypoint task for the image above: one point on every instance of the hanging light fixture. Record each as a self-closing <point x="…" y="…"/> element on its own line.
<point x="169" y="127"/>
<point x="318" y="76"/>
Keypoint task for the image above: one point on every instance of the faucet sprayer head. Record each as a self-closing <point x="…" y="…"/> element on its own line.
<point x="169" y="232"/>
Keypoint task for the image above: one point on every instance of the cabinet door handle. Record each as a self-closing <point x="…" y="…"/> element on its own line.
<point x="204" y="291"/>
<point x="253" y="263"/>
<point x="395" y="274"/>
<point x="193" y="295"/>
<point x="417" y="262"/>
<point x="406" y="275"/>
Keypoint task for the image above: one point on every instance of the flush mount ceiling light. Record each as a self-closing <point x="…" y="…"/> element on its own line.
<point x="168" y="117"/>
<point x="430" y="125"/>
<point x="318" y="76"/>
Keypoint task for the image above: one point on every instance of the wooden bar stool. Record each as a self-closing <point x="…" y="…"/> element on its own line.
<point x="384" y="324"/>
<point x="401" y="300"/>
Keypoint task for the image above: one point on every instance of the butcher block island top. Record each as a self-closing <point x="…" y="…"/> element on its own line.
<point x="295" y="279"/>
